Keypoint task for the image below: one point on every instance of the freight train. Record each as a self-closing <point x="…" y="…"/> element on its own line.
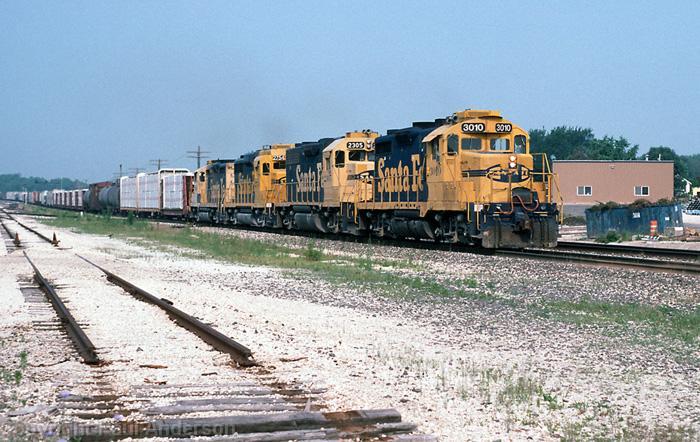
<point x="469" y="178"/>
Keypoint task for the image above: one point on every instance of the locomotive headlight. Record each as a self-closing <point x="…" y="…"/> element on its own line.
<point x="512" y="164"/>
<point x="512" y="158"/>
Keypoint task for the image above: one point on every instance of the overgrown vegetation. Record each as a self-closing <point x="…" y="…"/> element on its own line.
<point x="611" y="236"/>
<point x="661" y="320"/>
<point x="390" y="278"/>
<point x="635" y="205"/>
<point x="14" y="375"/>
<point x="364" y="272"/>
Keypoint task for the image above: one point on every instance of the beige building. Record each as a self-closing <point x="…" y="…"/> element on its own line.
<point x="584" y="183"/>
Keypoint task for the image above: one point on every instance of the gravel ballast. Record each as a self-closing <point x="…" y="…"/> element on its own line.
<point x="497" y="361"/>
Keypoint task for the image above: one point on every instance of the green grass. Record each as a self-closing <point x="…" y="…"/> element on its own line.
<point x="9" y="375"/>
<point x="675" y="323"/>
<point x="364" y="272"/>
<point x="384" y="277"/>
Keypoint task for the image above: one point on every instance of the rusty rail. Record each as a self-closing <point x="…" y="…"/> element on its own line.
<point x="238" y="352"/>
<point x="83" y="344"/>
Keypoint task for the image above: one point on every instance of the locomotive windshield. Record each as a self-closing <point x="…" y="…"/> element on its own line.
<point x="471" y="143"/>
<point x="360" y="155"/>
<point x="500" y="144"/>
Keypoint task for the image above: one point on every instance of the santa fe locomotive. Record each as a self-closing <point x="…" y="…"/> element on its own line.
<point x="469" y="178"/>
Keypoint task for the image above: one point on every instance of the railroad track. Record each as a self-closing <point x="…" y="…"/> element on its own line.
<point x="627" y="249"/>
<point x="641" y="261"/>
<point x="100" y="408"/>
<point x="83" y="344"/>
<point x="239" y="352"/>
<point x="53" y="241"/>
<point x="616" y="260"/>
<point x="14" y="242"/>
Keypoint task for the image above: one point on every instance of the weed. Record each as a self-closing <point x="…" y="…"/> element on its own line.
<point x="549" y="399"/>
<point x="312" y="253"/>
<point x="520" y="391"/>
<point x="8" y="375"/>
<point x="611" y="236"/>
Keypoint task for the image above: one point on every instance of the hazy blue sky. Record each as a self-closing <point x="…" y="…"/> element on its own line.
<point x="85" y="86"/>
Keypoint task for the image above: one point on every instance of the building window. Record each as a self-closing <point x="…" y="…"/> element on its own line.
<point x="584" y="191"/>
<point x="641" y="190"/>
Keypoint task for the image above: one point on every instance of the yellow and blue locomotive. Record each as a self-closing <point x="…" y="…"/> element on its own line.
<point x="469" y="178"/>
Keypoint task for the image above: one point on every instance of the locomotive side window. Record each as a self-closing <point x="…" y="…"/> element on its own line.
<point x="201" y="177"/>
<point x="340" y="158"/>
<point x="435" y="149"/>
<point x="452" y="144"/>
<point x="520" y="142"/>
<point x="266" y="168"/>
<point x="471" y="143"/>
<point x="500" y="144"/>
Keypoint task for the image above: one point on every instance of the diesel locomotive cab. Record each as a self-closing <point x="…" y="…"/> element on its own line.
<point x="513" y="204"/>
<point x="468" y="178"/>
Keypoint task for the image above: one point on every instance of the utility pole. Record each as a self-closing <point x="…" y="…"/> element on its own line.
<point x="158" y="162"/>
<point x="199" y="154"/>
<point x="135" y="170"/>
<point x="118" y="175"/>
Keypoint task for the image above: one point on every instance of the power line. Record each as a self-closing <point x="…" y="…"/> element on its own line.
<point x="199" y="154"/>
<point x="158" y="162"/>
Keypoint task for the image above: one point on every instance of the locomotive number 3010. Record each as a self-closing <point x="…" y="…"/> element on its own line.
<point x="473" y="127"/>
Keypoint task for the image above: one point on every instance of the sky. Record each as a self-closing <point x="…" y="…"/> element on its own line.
<point x="87" y="86"/>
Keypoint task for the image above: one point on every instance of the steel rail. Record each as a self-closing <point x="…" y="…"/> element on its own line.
<point x="623" y="248"/>
<point x="645" y="263"/>
<point x="553" y="254"/>
<point x="85" y="347"/>
<point x="208" y="334"/>
<point x="53" y="242"/>
<point x="13" y="236"/>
